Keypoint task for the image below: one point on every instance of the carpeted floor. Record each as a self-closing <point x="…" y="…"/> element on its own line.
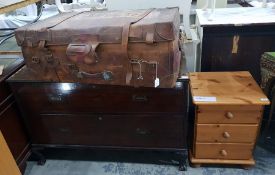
<point x="265" y="165"/>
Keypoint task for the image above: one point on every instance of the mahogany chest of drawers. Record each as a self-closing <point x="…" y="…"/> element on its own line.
<point x="102" y="116"/>
<point x="228" y="114"/>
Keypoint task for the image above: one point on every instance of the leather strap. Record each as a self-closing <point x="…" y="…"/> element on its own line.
<point x="37" y="35"/>
<point x="125" y="39"/>
<point x="65" y="19"/>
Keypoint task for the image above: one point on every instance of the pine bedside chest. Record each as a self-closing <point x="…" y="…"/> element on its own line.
<point x="228" y="113"/>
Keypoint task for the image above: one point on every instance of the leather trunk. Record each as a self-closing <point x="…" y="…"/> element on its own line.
<point x="133" y="48"/>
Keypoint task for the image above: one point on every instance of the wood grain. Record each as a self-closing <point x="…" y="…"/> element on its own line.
<point x="10" y="53"/>
<point x="234" y="151"/>
<point x="8" y="164"/>
<point x="230" y="88"/>
<point x="10" y="6"/>
<point x="234" y="133"/>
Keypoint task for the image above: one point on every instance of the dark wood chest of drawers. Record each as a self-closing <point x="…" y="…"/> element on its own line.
<point x="98" y="116"/>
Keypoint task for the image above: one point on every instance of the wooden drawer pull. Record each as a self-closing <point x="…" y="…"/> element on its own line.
<point x="229" y="115"/>
<point x="226" y="135"/>
<point x="223" y="152"/>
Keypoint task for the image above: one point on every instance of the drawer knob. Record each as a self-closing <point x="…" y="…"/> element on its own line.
<point x="229" y="115"/>
<point x="226" y="135"/>
<point x="223" y="152"/>
<point x="100" y="118"/>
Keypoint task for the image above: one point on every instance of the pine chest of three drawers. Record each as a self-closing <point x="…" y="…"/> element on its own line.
<point x="228" y="113"/>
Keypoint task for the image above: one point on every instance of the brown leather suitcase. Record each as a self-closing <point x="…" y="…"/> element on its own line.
<point x="135" y="47"/>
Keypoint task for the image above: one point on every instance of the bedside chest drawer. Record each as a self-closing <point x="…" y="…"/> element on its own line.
<point x="229" y="114"/>
<point x="224" y="151"/>
<point x="226" y="133"/>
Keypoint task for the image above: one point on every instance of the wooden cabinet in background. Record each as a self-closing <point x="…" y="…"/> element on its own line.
<point x="11" y="124"/>
<point x="235" y="39"/>
<point x="228" y="114"/>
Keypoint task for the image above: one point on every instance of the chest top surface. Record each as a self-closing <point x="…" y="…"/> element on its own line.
<point x="226" y="88"/>
<point x="236" y="16"/>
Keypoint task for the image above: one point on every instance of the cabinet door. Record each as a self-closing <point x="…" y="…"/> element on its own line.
<point x="8" y="164"/>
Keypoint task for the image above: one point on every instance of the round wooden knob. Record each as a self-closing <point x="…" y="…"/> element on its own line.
<point x="229" y="115"/>
<point x="226" y="135"/>
<point x="223" y="152"/>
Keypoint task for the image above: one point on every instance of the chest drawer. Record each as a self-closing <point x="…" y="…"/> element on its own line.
<point x="153" y="131"/>
<point x="68" y="98"/>
<point x="226" y="133"/>
<point x="223" y="151"/>
<point x="229" y="114"/>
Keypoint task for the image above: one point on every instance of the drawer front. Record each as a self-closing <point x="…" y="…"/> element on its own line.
<point x="68" y="98"/>
<point x="226" y="133"/>
<point x="229" y="114"/>
<point x="109" y="130"/>
<point x="223" y="151"/>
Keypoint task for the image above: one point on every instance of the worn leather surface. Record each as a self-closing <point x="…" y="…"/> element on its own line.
<point x="109" y="47"/>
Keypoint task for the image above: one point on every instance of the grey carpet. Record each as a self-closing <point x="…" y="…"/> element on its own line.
<point x="265" y="165"/>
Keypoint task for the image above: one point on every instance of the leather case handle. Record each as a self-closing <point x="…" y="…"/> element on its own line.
<point x="78" y="49"/>
<point x="83" y="49"/>
<point x="81" y="53"/>
<point x="105" y="75"/>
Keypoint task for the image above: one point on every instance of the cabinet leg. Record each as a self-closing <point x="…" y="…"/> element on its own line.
<point x="41" y="160"/>
<point x="183" y="162"/>
<point x="182" y="167"/>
